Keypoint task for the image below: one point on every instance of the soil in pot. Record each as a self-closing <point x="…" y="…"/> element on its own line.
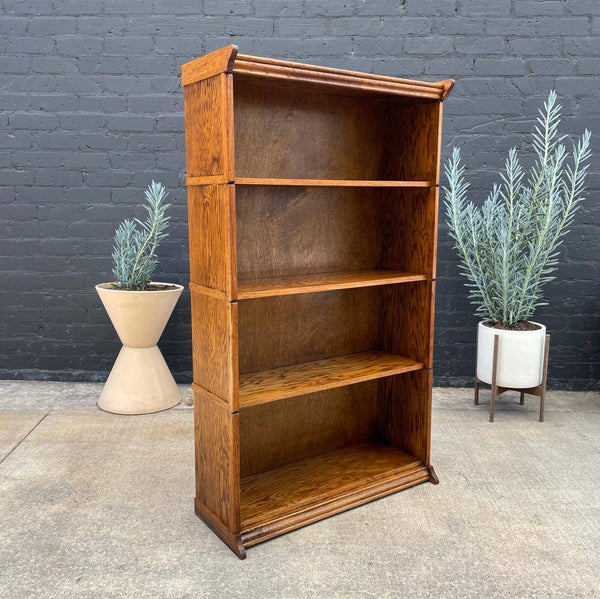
<point x="521" y="325"/>
<point x="149" y="287"/>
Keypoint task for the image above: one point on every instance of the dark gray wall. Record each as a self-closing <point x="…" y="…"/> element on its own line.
<point x="91" y="111"/>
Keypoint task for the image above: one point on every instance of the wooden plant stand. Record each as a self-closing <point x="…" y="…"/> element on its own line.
<point x="539" y="391"/>
<point x="312" y="267"/>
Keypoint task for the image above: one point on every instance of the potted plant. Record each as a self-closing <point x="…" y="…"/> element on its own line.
<point x="509" y="246"/>
<point x="140" y="381"/>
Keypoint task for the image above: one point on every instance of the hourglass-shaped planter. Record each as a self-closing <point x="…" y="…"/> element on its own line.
<point x="140" y="381"/>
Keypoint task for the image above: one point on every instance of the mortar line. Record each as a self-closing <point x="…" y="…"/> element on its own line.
<point x="23" y="439"/>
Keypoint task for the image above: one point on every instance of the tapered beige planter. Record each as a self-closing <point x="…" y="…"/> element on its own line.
<point x="140" y="381"/>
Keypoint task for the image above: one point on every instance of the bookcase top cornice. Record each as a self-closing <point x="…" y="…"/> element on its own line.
<point x="227" y="60"/>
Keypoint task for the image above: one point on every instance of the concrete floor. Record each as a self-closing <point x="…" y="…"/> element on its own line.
<point x="97" y="505"/>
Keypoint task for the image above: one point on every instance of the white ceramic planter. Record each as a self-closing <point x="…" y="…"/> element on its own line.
<point x="520" y="356"/>
<point x="140" y="381"/>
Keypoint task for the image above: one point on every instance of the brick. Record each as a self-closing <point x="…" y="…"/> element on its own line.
<point x="563" y="27"/>
<point x="151" y="64"/>
<point x="14" y="64"/>
<point x="102" y="64"/>
<point x="527" y="8"/>
<point x="583" y="7"/>
<point x="31" y="120"/>
<point x="278" y="8"/>
<point x="128" y="45"/>
<point x="292" y="27"/>
<point x="129" y="7"/>
<point x="428" y="45"/>
<point x="535" y="46"/>
<point x="53" y="64"/>
<point x="13" y="25"/>
<point x="130" y="122"/>
<point x="82" y="122"/>
<point x="103" y="103"/>
<point x="233" y="7"/>
<point x="155" y="103"/>
<point x="430" y="8"/>
<point x="551" y="66"/>
<point x="583" y="45"/>
<point x="75" y="45"/>
<point x="588" y="66"/>
<point x="381" y="8"/>
<point x="511" y="26"/>
<point x="497" y="66"/>
<point x="28" y="45"/>
<point x="578" y="86"/>
<point x="480" y="45"/>
<point x="101" y="25"/>
<point x="51" y="26"/>
<point x="449" y="66"/>
<point x="330" y="8"/>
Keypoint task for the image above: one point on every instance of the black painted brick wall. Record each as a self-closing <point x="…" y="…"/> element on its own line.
<point x="91" y="111"/>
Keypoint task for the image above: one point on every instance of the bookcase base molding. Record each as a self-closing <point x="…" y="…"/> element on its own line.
<point x="313" y="203"/>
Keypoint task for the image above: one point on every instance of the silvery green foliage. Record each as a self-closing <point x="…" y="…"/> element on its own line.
<point x="509" y="247"/>
<point x="134" y="258"/>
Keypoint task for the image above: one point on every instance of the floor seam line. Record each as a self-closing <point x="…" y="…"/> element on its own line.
<point x="23" y="439"/>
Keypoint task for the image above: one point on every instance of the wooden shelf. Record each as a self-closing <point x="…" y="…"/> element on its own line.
<point x="323" y="282"/>
<point x="329" y="182"/>
<point x="299" y="379"/>
<point x="278" y="499"/>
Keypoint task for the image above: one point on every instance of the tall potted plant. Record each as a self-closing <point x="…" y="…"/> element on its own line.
<point x="140" y="381"/>
<point x="510" y="245"/>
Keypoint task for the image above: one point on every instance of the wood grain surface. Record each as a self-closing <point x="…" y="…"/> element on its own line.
<point x="313" y="206"/>
<point x="328" y="182"/>
<point x="404" y="418"/>
<point x="285" y="490"/>
<point x="289" y="231"/>
<point x="211" y="221"/>
<point x="214" y="346"/>
<point x="281" y="331"/>
<point x="217" y="449"/>
<point x="312" y="283"/>
<point x="279" y="433"/>
<point x="299" y="379"/>
<point x="209" y="129"/>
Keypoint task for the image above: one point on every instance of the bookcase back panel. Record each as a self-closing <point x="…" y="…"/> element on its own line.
<point x="280" y="433"/>
<point x="289" y="133"/>
<point x="293" y="133"/>
<point x="280" y="331"/>
<point x="305" y="230"/>
<point x="286" y="330"/>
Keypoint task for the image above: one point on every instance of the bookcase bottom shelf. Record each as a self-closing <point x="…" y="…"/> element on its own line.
<point x="281" y="500"/>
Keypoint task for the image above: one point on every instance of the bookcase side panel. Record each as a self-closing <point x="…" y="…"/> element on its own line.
<point x="211" y="221"/>
<point x="412" y="141"/>
<point x="404" y="412"/>
<point x="410" y="230"/>
<point x="209" y="127"/>
<point x="406" y="324"/>
<point x="217" y="450"/>
<point x="214" y="346"/>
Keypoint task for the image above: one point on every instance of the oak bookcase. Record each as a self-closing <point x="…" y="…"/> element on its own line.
<point x="313" y="200"/>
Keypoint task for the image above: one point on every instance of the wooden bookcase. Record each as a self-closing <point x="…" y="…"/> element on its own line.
<point x="313" y="200"/>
